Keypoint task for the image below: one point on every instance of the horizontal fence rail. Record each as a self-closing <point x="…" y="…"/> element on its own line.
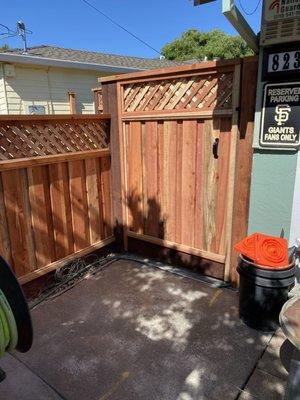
<point x="54" y="207"/>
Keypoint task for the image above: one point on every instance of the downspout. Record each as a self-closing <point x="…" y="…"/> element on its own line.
<point x="237" y="20"/>
<point x="51" y="108"/>
<point x="4" y="88"/>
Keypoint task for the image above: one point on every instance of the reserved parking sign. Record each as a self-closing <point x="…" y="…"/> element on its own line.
<point x="281" y="115"/>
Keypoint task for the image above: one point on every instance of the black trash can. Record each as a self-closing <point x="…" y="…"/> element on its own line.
<point x="262" y="293"/>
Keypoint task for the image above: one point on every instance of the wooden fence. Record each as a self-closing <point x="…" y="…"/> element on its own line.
<point x="55" y="192"/>
<point x="166" y="173"/>
<point x="178" y="151"/>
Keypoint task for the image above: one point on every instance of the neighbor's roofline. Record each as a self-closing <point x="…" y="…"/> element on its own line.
<point x="54" y="62"/>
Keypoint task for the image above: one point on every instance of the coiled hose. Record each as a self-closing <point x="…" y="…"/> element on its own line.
<point x="8" y="326"/>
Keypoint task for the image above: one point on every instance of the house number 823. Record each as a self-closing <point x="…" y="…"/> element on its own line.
<point x="280" y="62"/>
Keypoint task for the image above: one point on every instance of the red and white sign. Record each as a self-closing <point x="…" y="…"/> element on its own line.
<point x="281" y="9"/>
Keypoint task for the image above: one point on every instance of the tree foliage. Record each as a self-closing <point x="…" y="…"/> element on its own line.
<point x="194" y="44"/>
<point x="4" y="47"/>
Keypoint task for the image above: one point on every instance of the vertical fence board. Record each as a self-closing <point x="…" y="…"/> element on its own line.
<point x="199" y="190"/>
<point x="165" y="179"/>
<point x="27" y="219"/>
<point x="39" y="195"/>
<point x="223" y="171"/>
<point x="171" y="127"/>
<point x="5" y="247"/>
<point x="210" y="186"/>
<point x="79" y="206"/>
<point x="161" y="180"/>
<point x="134" y="198"/>
<point x="94" y="201"/>
<point x="189" y="136"/>
<point x="106" y="195"/>
<point x="144" y="176"/>
<point x="17" y="220"/>
<point x="61" y="209"/>
<point x="131" y="198"/>
<point x="153" y="208"/>
<point x="179" y="175"/>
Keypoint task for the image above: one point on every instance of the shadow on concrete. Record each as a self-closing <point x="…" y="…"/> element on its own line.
<point x="135" y="332"/>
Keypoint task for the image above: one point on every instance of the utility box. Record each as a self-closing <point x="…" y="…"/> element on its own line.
<point x="277" y="126"/>
<point x="280" y="22"/>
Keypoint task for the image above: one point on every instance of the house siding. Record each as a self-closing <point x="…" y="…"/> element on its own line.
<point x="49" y="86"/>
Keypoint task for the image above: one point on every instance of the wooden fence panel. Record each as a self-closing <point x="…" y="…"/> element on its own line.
<point x="176" y="190"/>
<point x="52" y="212"/>
<point x="175" y="193"/>
<point x="54" y="207"/>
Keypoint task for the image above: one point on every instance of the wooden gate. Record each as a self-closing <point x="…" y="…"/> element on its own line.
<point x="174" y="140"/>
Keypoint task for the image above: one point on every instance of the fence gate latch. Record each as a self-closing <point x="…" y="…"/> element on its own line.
<point x="216" y="148"/>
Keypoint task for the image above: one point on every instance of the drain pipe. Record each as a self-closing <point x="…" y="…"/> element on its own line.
<point x="234" y="16"/>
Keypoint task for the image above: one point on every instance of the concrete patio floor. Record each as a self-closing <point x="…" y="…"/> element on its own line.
<point x="136" y="332"/>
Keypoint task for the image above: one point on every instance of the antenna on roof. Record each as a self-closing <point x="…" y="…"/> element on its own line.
<point x="22" y="32"/>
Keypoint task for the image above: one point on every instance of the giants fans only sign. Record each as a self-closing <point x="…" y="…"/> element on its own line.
<point x="281" y="115"/>
<point x="281" y="9"/>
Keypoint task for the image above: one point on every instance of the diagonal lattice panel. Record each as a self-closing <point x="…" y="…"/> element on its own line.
<point x="186" y="93"/>
<point x="31" y="138"/>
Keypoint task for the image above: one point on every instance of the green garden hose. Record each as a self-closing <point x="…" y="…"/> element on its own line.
<point x="8" y="326"/>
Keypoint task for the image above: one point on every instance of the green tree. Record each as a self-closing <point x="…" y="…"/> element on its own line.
<point x="4" y="47"/>
<point x="198" y="45"/>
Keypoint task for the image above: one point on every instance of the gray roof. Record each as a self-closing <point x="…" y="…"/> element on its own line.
<point x="92" y="57"/>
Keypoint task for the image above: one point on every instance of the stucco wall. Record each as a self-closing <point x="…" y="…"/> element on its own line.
<point x="272" y="188"/>
<point x="48" y="86"/>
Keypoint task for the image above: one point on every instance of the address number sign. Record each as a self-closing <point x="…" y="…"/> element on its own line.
<point x="281" y="62"/>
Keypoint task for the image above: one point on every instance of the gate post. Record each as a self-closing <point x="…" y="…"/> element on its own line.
<point x="244" y="157"/>
<point x="112" y="106"/>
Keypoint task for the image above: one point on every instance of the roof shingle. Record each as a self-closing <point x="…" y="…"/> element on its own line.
<point x="92" y="57"/>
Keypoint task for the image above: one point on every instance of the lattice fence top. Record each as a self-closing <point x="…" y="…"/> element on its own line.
<point x="31" y="137"/>
<point x="188" y="93"/>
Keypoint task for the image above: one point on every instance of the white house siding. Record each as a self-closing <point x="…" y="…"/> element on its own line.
<point x="49" y="87"/>
<point x="3" y="106"/>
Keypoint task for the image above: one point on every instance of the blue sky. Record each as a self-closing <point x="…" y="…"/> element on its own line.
<point x="74" y="25"/>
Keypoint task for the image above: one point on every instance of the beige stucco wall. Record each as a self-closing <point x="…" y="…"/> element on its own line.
<point x="46" y="86"/>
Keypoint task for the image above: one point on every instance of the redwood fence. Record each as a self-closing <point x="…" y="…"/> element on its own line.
<point x="165" y="172"/>
<point x="181" y="152"/>
<point x="55" y="199"/>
